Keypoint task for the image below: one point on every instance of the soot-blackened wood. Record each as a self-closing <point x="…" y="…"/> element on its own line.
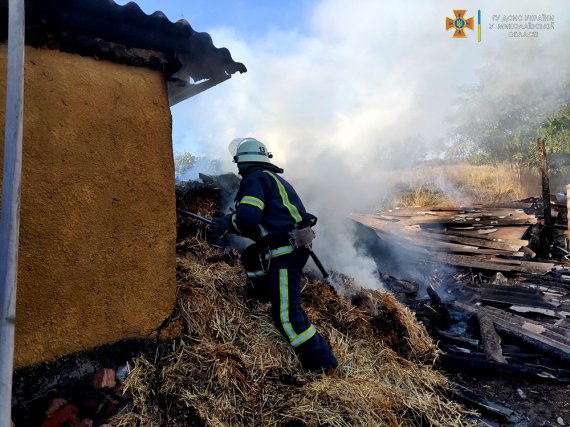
<point x="568" y="216"/>
<point x="462" y="341"/>
<point x="438" y="304"/>
<point x="490" y="340"/>
<point x="491" y="263"/>
<point x="545" y="182"/>
<point x="478" y="364"/>
<point x="493" y="409"/>
<point x="539" y="336"/>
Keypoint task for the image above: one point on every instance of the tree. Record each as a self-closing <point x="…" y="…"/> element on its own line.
<point x="182" y="163"/>
<point x="187" y="167"/>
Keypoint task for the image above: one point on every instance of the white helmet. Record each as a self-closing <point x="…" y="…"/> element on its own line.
<point x="249" y="150"/>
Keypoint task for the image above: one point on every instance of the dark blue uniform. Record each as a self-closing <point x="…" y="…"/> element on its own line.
<point x="267" y="209"/>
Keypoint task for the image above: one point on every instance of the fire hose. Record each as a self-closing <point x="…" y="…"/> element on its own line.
<point x="196" y="216"/>
<point x="316" y="260"/>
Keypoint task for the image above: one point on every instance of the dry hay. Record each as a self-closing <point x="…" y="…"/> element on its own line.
<point x="232" y="367"/>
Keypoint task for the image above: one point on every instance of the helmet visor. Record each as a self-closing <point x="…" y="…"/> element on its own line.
<point x="234" y="146"/>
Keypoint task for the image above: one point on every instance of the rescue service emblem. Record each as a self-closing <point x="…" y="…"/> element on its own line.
<point x="459" y="24"/>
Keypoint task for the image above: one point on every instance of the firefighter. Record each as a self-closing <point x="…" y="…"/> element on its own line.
<point x="267" y="210"/>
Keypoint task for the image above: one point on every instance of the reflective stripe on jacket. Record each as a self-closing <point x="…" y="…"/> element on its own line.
<point x="267" y="206"/>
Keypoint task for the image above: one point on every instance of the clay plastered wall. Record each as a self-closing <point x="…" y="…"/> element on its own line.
<point x="97" y="236"/>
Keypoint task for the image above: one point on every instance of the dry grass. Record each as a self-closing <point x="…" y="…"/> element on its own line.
<point x="499" y="183"/>
<point x="232" y="367"/>
<point x="462" y="183"/>
<point x="421" y="195"/>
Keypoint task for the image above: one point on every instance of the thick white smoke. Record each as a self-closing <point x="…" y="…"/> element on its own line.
<point x="370" y="85"/>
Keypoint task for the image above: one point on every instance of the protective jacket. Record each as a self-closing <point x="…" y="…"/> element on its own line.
<point x="268" y="208"/>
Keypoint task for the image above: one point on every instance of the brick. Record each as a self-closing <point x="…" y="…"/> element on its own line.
<point x="65" y="415"/>
<point x="54" y="405"/>
<point x="104" y="378"/>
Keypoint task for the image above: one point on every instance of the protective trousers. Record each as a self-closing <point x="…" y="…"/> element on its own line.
<point x="281" y="285"/>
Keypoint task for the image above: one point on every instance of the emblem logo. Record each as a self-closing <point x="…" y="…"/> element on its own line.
<point x="459" y="24"/>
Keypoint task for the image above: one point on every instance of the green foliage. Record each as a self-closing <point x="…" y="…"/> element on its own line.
<point x="187" y="166"/>
<point x="511" y="137"/>
<point x="499" y="120"/>
<point x="182" y="163"/>
<point x="556" y="131"/>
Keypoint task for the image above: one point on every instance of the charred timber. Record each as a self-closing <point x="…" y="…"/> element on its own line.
<point x="490" y="340"/>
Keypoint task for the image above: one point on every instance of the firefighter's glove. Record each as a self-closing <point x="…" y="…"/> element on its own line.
<point x="221" y="225"/>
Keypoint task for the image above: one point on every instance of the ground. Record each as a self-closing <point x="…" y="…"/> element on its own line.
<point x="539" y="404"/>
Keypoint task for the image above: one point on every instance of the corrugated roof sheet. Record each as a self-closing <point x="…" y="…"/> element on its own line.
<point x="121" y="33"/>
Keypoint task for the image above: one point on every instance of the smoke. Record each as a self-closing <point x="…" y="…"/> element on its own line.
<point x="204" y="165"/>
<point x="367" y="88"/>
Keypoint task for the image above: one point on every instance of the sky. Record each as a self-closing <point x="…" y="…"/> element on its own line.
<point x="299" y="51"/>
<point x="342" y="91"/>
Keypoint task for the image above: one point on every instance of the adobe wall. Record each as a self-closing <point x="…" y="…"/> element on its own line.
<point x="98" y="216"/>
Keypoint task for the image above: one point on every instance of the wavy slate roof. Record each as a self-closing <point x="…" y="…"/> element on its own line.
<point x="126" y="34"/>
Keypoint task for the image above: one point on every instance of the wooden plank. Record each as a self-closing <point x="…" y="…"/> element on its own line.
<point x="547" y="265"/>
<point x="486" y="263"/>
<point x="510" y="235"/>
<point x="463" y="213"/>
<point x="534" y="309"/>
<point x="545" y="182"/>
<point x="490" y="340"/>
<point x="548" y="330"/>
<point x="512" y="325"/>
<point x="513" y="246"/>
<point x="458" y="248"/>
<point x="496" y="289"/>
<point x="513" y="205"/>
<point x="477" y="363"/>
<point x="371" y="221"/>
<point x="487" y="231"/>
<point x="453" y="221"/>
<point x="530" y="299"/>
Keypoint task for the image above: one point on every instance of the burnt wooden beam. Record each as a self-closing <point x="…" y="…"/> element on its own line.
<point x="492" y="264"/>
<point x="470" y="343"/>
<point x="467" y="396"/>
<point x="478" y="364"/>
<point x="536" y="334"/>
<point x="438" y="304"/>
<point x="568" y="216"/>
<point x="462" y="248"/>
<point x="513" y="296"/>
<point x="481" y="242"/>
<point x="490" y="340"/>
<point x="545" y="182"/>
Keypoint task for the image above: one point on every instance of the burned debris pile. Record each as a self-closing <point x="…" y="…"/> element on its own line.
<point x="204" y="198"/>
<point x="83" y="389"/>
<point x="230" y="365"/>
<point x="497" y="238"/>
<point x="496" y="297"/>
